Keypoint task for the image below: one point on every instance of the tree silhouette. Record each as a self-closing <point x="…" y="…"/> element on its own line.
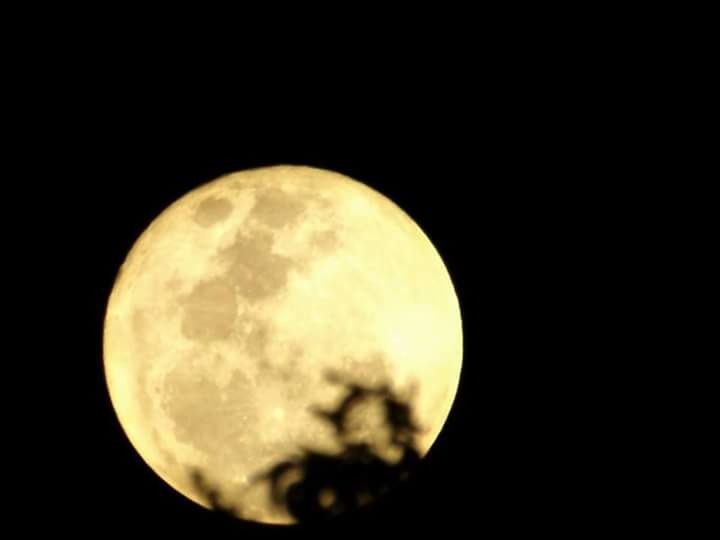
<point x="317" y="485"/>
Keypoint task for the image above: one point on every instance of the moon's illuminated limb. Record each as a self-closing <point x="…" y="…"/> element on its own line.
<point x="234" y="303"/>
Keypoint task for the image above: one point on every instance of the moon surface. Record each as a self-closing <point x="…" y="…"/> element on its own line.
<point x="236" y="301"/>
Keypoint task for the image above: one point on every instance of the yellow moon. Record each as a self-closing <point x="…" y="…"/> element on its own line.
<point x="235" y="302"/>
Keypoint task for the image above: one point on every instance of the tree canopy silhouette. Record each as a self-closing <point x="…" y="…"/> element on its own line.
<point x="318" y="485"/>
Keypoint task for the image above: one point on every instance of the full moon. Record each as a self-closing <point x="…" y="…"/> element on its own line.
<point x="237" y="301"/>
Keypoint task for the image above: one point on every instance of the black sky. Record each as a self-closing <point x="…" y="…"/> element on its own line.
<point x="491" y="173"/>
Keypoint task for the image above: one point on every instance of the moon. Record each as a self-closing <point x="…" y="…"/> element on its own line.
<point x="235" y="302"/>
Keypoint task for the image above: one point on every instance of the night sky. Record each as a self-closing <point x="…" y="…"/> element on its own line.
<point x="480" y="173"/>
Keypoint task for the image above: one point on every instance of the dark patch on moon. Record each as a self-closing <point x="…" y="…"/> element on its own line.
<point x="276" y="208"/>
<point x="209" y="311"/>
<point x="218" y="421"/>
<point x="254" y="269"/>
<point x="212" y="211"/>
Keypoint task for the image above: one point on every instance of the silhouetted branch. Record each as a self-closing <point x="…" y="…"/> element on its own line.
<point x="317" y="485"/>
<point x="328" y="484"/>
<point x="212" y="495"/>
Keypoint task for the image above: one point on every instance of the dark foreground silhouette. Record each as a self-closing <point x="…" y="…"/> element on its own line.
<point x="316" y="485"/>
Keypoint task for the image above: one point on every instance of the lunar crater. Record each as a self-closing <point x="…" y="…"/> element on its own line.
<point x="253" y="267"/>
<point x="209" y="311"/>
<point x="211" y="211"/>
<point x="276" y="208"/>
<point x="200" y="415"/>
